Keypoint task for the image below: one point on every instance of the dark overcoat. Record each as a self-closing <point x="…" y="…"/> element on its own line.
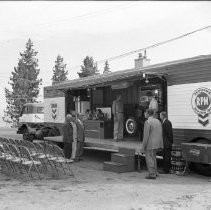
<point x="167" y="134"/>
<point x="67" y="133"/>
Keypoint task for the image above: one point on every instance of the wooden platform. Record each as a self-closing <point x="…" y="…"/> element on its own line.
<point x="105" y="144"/>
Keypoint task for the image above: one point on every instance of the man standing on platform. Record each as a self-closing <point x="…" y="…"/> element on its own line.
<point x="117" y="110"/>
<point x="167" y="142"/>
<point x="152" y="141"/>
<point x="153" y="104"/>
<point x="74" y="143"/>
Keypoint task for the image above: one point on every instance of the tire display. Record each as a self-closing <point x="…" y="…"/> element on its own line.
<point x="131" y="126"/>
<point x="200" y="168"/>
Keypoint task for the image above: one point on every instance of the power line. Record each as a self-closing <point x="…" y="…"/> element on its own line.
<point x="87" y="15"/>
<point x="154" y="45"/>
<point x="149" y="47"/>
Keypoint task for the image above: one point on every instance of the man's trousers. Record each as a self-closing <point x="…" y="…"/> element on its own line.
<point x="150" y="156"/>
<point x="67" y="150"/>
<point x="79" y="150"/>
<point x="74" y="149"/>
<point x="118" y="126"/>
<point x="166" y="159"/>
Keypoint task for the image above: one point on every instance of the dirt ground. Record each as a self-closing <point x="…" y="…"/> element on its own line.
<point x="92" y="188"/>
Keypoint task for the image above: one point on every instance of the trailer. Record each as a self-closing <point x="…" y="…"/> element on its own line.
<point x="181" y="87"/>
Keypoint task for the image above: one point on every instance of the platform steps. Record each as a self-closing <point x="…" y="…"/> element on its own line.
<point x="123" y="161"/>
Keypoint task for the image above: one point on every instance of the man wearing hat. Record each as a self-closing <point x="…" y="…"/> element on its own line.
<point x="117" y="110"/>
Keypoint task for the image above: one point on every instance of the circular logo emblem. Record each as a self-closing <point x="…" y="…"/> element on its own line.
<point x="201" y="101"/>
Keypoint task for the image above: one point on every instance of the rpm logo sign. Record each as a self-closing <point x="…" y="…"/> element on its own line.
<point x="201" y="104"/>
<point x="54" y="109"/>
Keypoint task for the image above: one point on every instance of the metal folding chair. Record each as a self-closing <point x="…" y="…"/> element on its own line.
<point x="8" y="156"/>
<point x="20" y="143"/>
<point x="41" y="154"/>
<point x="6" y="140"/>
<point x="17" y="160"/>
<point x="50" y="155"/>
<point x="3" y="155"/>
<point x="29" y="162"/>
<point x="31" y="147"/>
<point x="12" y="141"/>
<point x="61" y="160"/>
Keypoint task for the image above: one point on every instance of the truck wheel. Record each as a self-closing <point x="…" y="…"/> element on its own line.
<point x="28" y="137"/>
<point x="25" y="136"/>
<point x="54" y="132"/>
<point x="200" y="168"/>
<point x="131" y="126"/>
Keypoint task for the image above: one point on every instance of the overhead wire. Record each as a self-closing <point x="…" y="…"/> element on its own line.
<point x="87" y="15"/>
<point x="142" y="49"/>
<point x="148" y="47"/>
<point x="156" y="44"/>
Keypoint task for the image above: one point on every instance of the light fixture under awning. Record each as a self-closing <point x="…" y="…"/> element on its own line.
<point x="121" y="85"/>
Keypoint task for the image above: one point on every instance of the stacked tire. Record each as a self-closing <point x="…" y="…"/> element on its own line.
<point x="177" y="162"/>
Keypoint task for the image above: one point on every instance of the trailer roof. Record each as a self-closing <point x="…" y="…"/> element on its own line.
<point x="103" y="79"/>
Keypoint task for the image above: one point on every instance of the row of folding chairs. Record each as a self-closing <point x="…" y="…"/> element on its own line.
<point x="21" y="156"/>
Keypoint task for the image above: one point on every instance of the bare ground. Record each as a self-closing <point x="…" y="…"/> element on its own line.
<point x="92" y="188"/>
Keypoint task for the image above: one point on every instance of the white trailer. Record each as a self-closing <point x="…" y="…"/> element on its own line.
<point x="183" y="88"/>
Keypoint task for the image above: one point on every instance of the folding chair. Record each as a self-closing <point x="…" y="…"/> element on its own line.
<point x="17" y="160"/>
<point x="31" y="147"/>
<point x="12" y="141"/>
<point x="3" y="156"/>
<point x="8" y="156"/>
<point x="50" y="155"/>
<point x="6" y="140"/>
<point x="1" y="141"/>
<point x="41" y="154"/>
<point x="58" y="152"/>
<point x="22" y="143"/>
<point x="29" y="161"/>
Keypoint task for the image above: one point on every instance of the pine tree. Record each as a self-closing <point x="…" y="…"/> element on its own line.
<point x="106" y="68"/>
<point x="24" y="84"/>
<point x="59" y="70"/>
<point x="88" y="68"/>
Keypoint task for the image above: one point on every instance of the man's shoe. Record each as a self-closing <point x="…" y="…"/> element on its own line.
<point x="150" y="177"/>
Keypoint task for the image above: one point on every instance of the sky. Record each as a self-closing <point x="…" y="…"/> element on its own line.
<point x="100" y="29"/>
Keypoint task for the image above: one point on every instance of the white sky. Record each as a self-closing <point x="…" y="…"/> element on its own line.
<point x="99" y="29"/>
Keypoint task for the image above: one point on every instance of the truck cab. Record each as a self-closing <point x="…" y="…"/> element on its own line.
<point x="32" y="113"/>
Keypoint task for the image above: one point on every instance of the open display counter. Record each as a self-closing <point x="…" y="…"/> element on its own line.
<point x="99" y="129"/>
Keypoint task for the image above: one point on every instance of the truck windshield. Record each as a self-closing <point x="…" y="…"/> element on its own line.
<point x="24" y="110"/>
<point x="40" y="110"/>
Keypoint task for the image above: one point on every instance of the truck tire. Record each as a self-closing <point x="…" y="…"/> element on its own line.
<point x="200" y="168"/>
<point x="131" y="126"/>
<point x="54" y="132"/>
<point x="28" y="137"/>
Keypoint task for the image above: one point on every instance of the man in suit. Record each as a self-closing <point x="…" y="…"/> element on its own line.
<point x="117" y="110"/>
<point x="152" y="141"/>
<point x="153" y="104"/>
<point x="167" y="141"/>
<point x="68" y="136"/>
<point x="80" y="137"/>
